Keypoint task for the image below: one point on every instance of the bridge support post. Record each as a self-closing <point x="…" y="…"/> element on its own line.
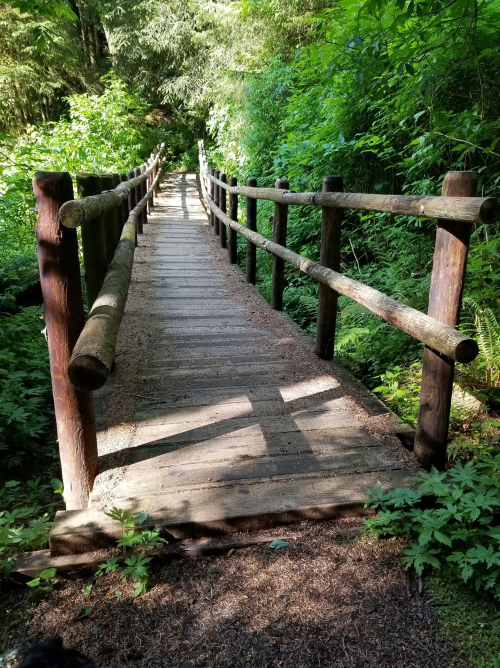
<point x="93" y="240"/>
<point x="331" y="224"/>
<point x="223" y="207"/>
<point x="211" y="215"/>
<point x="131" y="199"/>
<point x="119" y="211"/>
<point x="445" y="299"/>
<point x="251" y="265"/>
<point x="125" y="209"/>
<point x="138" y="197"/>
<point x="216" y="200"/>
<point x="144" y="189"/>
<point x="111" y="227"/>
<point x="232" y="246"/>
<point x="64" y="318"/>
<point x="279" y="236"/>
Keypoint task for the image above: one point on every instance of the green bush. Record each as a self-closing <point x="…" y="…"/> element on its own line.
<point x="450" y="519"/>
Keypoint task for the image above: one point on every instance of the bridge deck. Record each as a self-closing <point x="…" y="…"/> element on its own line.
<point x="219" y="417"/>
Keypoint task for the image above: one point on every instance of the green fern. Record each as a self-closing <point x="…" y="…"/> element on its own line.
<point x="482" y="324"/>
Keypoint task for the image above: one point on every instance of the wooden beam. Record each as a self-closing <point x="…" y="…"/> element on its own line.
<point x="93" y="240"/>
<point x="233" y="214"/>
<point x="461" y="209"/>
<point x="251" y="264"/>
<point x="64" y="319"/>
<point x="223" y="208"/>
<point x="445" y="300"/>
<point x="111" y="230"/>
<point x="443" y="338"/>
<point x="138" y="197"/>
<point x="217" y="200"/>
<point x="280" y="221"/>
<point x="331" y="223"/>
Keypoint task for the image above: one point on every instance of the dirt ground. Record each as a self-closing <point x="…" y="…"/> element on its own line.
<point x="330" y="598"/>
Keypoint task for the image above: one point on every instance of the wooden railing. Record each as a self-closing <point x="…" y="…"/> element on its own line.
<point x="457" y="210"/>
<point x="111" y="212"/>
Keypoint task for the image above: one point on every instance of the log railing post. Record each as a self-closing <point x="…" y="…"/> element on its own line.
<point x="216" y="200"/>
<point x="125" y="209"/>
<point x="144" y="190"/>
<point x="119" y="211"/>
<point x="155" y="172"/>
<point x="138" y="197"/>
<point x="64" y="319"/>
<point x="232" y="245"/>
<point x="251" y="265"/>
<point x="93" y="240"/>
<point x="111" y="229"/>
<point x="131" y="199"/>
<point x="212" y="196"/>
<point x="445" y="299"/>
<point x="331" y="223"/>
<point x="223" y="207"/>
<point x="279" y="236"/>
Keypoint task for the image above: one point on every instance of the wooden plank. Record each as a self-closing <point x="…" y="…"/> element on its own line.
<point x="226" y="509"/>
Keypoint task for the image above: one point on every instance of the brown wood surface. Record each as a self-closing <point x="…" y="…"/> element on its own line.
<point x="93" y="240"/>
<point x="223" y="207"/>
<point x="233" y="214"/>
<point x="251" y="260"/>
<point x="64" y="319"/>
<point x="280" y="221"/>
<point x="217" y="202"/>
<point x="233" y="426"/>
<point x="460" y="208"/>
<point x="144" y="190"/>
<point x="331" y="225"/>
<point x="111" y="227"/>
<point x="445" y="300"/>
<point x="138" y="197"/>
<point x="212" y="195"/>
<point x="430" y="331"/>
<point x="125" y="207"/>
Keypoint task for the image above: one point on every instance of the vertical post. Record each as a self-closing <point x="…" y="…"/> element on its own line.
<point x="251" y="264"/>
<point x="64" y="318"/>
<point x="445" y="299"/>
<point x="144" y="190"/>
<point x="119" y="211"/>
<point x="93" y="240"/>
<point x="110" y="222"/>
<point x="131" y="199"/>
<point x="212" y="195"/>
<point x="217" y="200"/>
<point x="223" y="207"/>
<point x="138" y="197"/>
<point x="331" y="225"/>
<point x="232" y="246"/>
<point x="279" y="236"/>
<point x="125" y="209"/>
<point x="155" y="172"/>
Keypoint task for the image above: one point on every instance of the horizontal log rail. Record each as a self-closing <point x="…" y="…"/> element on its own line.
<point x="446" y="340"/>
<point x="461" y="209"/>
<point x="94" y="352"/>
<point x="456" y="210"/>
<point x="76" y="212"/>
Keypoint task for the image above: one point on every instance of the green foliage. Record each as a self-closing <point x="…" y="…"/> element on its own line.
<point x="450" y="519"/>
<point x="133" y="565"/>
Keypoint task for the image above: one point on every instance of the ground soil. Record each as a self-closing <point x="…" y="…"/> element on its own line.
<point x="330" y="598"/>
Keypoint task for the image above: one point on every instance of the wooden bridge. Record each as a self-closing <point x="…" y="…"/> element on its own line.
<point x="220" y="414"/>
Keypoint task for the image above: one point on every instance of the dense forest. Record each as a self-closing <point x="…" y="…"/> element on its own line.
<point x="389" y="95"/>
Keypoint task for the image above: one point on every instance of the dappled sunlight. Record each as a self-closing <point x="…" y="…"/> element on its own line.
<point x="308" y="388"/>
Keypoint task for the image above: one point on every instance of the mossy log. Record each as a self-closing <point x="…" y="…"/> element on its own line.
<point x="94" y="351"/>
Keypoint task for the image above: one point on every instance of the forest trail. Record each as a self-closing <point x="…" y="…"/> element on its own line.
<point x="219" y="417"/>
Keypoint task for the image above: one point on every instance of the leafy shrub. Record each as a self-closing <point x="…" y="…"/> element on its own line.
<point x="450" y="519"/>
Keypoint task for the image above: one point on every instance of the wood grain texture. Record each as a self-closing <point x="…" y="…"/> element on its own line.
<point x="234" y="426"/>
<point x="280" y="222"/>
<point x="445" y="300"/>
<point x="64" y="319"/>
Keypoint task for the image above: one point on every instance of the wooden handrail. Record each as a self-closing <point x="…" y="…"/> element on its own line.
<point x="446" y="340"/>
<point x="94" y="351"/>
<point x="460" y="209"/>
<point x="76" y="212"/>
